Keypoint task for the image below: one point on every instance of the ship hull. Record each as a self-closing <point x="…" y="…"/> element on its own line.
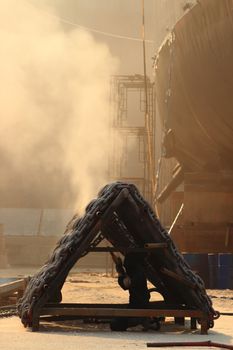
<point x="194" y="87"/>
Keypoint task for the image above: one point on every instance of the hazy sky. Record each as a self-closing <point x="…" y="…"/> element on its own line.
<point x="121" y="17"/>
<point x="124" y="18"/>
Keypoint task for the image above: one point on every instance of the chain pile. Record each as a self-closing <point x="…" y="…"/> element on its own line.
<point x="86" y="232"/>
<point x="8" y="311"/>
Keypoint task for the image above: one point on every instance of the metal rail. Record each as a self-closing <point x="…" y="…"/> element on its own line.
<point x="103" y="311"/>
<point x="147" y="248"/>
<point x="190" y="344"/>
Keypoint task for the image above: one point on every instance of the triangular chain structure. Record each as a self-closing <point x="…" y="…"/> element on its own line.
<point x="126" y="220"/>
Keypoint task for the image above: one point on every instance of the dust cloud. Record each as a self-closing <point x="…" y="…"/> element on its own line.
<point x="54" y="93"/>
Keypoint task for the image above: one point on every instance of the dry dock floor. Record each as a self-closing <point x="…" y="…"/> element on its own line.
<point x="90" y="287"/>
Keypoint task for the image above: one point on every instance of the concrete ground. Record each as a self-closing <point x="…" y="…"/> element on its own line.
<point x="14" y="336"/>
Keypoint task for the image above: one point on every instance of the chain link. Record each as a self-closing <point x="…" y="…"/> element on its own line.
<point x="8" y="311"/>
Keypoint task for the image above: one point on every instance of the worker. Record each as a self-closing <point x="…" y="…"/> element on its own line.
<point x="131" y="277"/>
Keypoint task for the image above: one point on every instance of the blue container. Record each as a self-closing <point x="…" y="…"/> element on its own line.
<point x="213" y="271"/>
<point x="225" y="271"/>
<point x="199" y="264"/>
<point x="230" y="279"/>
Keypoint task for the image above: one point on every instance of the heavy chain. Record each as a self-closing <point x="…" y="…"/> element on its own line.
<point x="202" y="299"/>
<point x="76" y="236"/>
<point x="77" y="241"/>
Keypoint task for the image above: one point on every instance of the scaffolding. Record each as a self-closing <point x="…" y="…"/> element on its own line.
<point x="132" y="157"/>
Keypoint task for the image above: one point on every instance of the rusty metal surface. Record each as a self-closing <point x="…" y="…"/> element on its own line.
<point x="124" y="218"/>
<point x="194" y="82"/>
<point x="207" y="343"/>
<point x="117" y="312"/>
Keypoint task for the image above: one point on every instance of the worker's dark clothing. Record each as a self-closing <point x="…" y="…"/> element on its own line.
<point x="138" y="293"/>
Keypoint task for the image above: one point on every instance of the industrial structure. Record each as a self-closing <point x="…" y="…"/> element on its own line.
<point x="193" y="81"/>
<point x="132" y="154"/>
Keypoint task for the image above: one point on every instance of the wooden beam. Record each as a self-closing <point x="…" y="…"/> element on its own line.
<point x="11" y="287"/>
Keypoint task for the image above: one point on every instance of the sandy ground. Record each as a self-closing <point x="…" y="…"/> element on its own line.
<point x="99" y="287"/>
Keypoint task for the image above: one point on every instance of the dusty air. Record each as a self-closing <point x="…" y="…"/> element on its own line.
<point x="116" y="182"/>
